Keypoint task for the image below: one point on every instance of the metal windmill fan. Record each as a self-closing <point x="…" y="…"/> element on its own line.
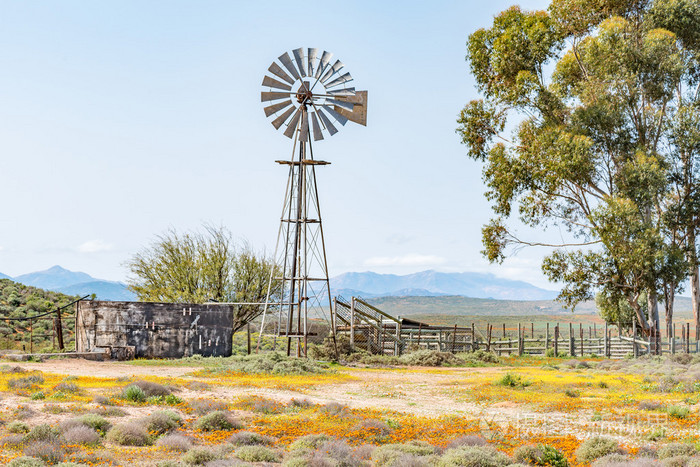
<point x="306" y="91"/>
<point x="311" y="90"/>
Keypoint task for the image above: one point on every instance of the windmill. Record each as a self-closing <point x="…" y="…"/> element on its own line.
<point x="307" y="97"/>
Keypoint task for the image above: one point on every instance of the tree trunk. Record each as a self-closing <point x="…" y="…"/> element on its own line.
<point x="695" y="295"/>
<point x="643" y="324"/>
<point x="669" y="297"/>
<point x="653" y="308"/>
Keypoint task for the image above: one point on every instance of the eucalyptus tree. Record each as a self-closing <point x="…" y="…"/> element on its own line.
<point x="592" y="93"/>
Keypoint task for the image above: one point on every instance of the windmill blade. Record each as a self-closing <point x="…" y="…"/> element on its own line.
<point x="342" y="92"/>
<point x="343" y="104"/>
<point x="304" y="127"/>
<point x="299" y="57"/>
<point x="273" y="96"/>
<point x="332" y="70"/>
<point x="339" y="118"/>
<point x="269" y="110"/>
<point x="312" y="58"/>
<point x="273" y="83"/>
<point x="318" y="134"/>
<point x="276" y="70"/>
<point x="359" y="113"/>
<point x="277" y="123"/>
<point x="327" y="123"/>
<point x="325" y="58"/>
<point x="340" y="80"/>
<point x="287" y="62"/>
<point x="292" y="125"/>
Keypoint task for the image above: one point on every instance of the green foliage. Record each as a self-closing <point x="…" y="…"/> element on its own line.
<point x="43" y="433"/>
<point x="273" y="363"/>
<point x="474" y="456"/>
<point x="17" y="427"/>
<point x="199" y="456"/>
<point x="21" y="301"/>
<point x="541" y="454"/>
<point x="134" y="393"/>
<point x="96" y="422"/>
<point x="677" y="411"/>
<point x="161" y="422"/>
<point x="199" y="267"/>
<point x="668" y="451"/>
<point x="26" y="461"/>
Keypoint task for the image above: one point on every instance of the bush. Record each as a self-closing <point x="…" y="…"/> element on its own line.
<point x="129" y="434"/>
<point x="676" y="449"/>
<point x="17" y="427"/>
<point x="14" y="441"/>
<point x="109" y="412"/>
<point x="96" y="422"/>
<point x="82" y="435"/>
<point x="219" y="420"/>
<point x="199" y="456"/>
<point x="70" y="388"/>
<point x="389" y="454"/>
<point x="247" y="438"/>
<point x="26" y="382"/>
<point x="474" y="456"/>
<point x="469" y="440"/>
<point x="333" y="408"/>
<point x="152" y="389"/>
<point x="677" y="411"/>
<point x="49" y="452"/>
<point x="257" y="454"/>
<point x="37" y="396"/>
<point x="26" y="461"/>
<point x="204" y="406"/>
<point x="43" y="433"/>
<point x="513" y="381"/>
<point x="573" y="393"/>
<point x="134" y="393"/>
<point x="308" y="442"/>
<point x="480" y="357"/>
<point x="102" y="400"/>
<point x="429" y="358"/>
<point x="175" y="442"/>
<point x="271" y="363"/>
<point x="597" y="447"/>
<point x="330" y="453"/>
<point x="162" y="422"/>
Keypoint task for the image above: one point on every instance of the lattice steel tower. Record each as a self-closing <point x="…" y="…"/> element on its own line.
<point x="306" y="91"/>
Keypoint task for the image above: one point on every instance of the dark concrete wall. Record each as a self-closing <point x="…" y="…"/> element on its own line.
<point x="155" y="330"/>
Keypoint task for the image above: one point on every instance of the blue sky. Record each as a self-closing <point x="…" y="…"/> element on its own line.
<point x="120" y="119"/>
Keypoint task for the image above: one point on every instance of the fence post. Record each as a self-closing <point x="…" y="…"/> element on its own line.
<point x="572" y="344"/>
<point x="580" y="333"/>
<point x="606" y="341"/>
<point x="672" y="342"/>
<point x="31" y="336"/>
<point x="248" y="336"/>
<point x="489" y="329"/>
<point x="546" y="340"/>
<point x="352" y="324"/>
<point x="59" y="329"/>
<point x="454" y="337"/>
<point x="556" y="340"/>
<point x="473" y="335"/>
<point x="687" y="341"/>
<point x="635" y="351"/>
<point x="520" y="340"/>
<point x="504" y="330"/>
<point x="420" y="329"/>
<point x="397" y="345"/>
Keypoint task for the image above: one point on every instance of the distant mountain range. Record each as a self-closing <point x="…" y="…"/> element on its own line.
<point x="436" y="284"/>
<point x="362" y="284"/>
<point x="68" y="282"/>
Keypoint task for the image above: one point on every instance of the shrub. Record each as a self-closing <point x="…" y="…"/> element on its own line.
<point x="43" y="433"/>
<point x="109" y="412"/>
<point x="271" y="363"/>
<point x="474" y="456"/>
<point x="12" y="441"/>
<point x="129" y="434"/>
<point x="597" y="447"/>
<point x="37" y="396"/>
<point x="23" y="412"/>
<point x="49" y="452"/>
<point x="26" y="461"/>
<point x="552" y="457"/>
<point x="676" y="449"/>
<point x="82" y="435"/>
<point x="96" y="422"/>
<point x="300" y="404"/>
<point x="219" y="420"/>
<point x="175" y="442"/>
<point x="134" y="393"/>
<point x="677" y="411"/>
<point x="70" y="388"/>
<point x="333" y="408"/>
<point x="649" y="405"/>
<point x="102" y="400"/>
<point x="389" y="454"/>
<point x="257" y="454"/>
<point x="247" y="438"/>
<point x="204" y="406"/>
<point x="469" y="440"/>
<point x="512" y="381"/>
<point x="308" y="442"/>
<point x="152" y="389"/>
<point x="199" y="456"/>
<point x="429" y="358"/>
<point x="26" y="382"/>
<point x="573" y="393"/>
<point x="331" y="453"/>
<point x="162" y="422"/>
<point x="376" y="427"/>
<point x="17" y="427"/>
